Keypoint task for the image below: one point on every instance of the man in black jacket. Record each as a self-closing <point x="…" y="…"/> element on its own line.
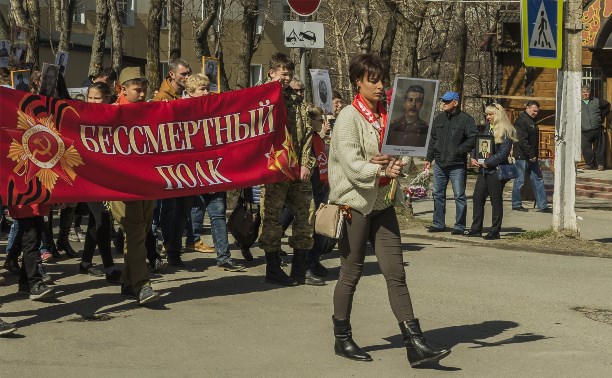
<point x="593" y="143"/>
<point x="526" y="155"/>
<point x="453" y="135"/>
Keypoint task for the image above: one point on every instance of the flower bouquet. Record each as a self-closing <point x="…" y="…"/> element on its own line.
<point x="417" y="190"/>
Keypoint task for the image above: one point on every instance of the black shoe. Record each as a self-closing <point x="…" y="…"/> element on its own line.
<point x="344" y="345"/>
<point x="492" y="236"/>
<point x="300" y="272"/>
<point x="472" y="233"/>
<point x="147" y="295"/>
<point x="546" y="210"/>
<point x="91" y="270"/>
<point x="23" y="289"/>
<point x="176" y="261"/>
<point x="417" y="349"/>
<point x="456" y="232"/>
<point x="246" y="253"/>
<point x="435" y="229"/>
<point x="159" y="264"/>
<point x="127" y="290"/>
<point x="6" y="328"/>
<point x="64" y="245"/>
<point x="12" y="265"/>
<point x="319" y="270"/>
<point x="231" y="266"/>
<point x="520" y="208"/>
<point x="114" y="277"/>
<point x="274" y="274"/>
<point x="40" y="291"/>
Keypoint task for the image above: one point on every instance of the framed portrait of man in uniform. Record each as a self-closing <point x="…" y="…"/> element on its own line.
<point x="410" y="116"/>
<point x="484" y="147"/>
<point x="322" y="90"/>
<point x="210" y="67"/>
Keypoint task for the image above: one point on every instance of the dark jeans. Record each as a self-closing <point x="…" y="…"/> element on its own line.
<point x="456" y="174"/>
<point x="488" y="186"/>
<point x="216" y="204"/>
<point x="593" y="147"/>
<point x="382" y="230"/>
<point x="537" y="183"/>
<point x="98" y="233"/>
<point x="197" y="220"/>
<point x="30" y="233"/>
<point x="181" y="208"/>
<point x="13" y="244"/>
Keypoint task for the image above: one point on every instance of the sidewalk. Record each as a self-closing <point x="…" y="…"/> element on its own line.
<point x="594" y="221"/>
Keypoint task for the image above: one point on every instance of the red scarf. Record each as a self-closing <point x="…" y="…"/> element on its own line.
<point x="365" y="111"/>
<point x="321" y="156"/>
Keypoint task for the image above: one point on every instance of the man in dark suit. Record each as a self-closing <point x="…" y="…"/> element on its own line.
<point x="410" y="130"/>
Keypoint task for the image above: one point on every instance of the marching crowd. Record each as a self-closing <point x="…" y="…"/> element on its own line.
<point x="150" y="234"/>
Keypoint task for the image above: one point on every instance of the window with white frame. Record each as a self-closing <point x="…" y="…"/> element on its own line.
<point x="165" y="17"/>
<point x="592" y="77"/>
<point x="256" y="74"/>
<point x="125" y="8"/>
<point x="78" y="17"/>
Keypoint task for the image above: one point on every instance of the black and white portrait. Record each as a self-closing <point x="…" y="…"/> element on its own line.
<point x="48" y="81"/>
<point x="61" y="59"/>
<point x="410" y="116"/>
<point x="322" y="90"/>
<point x="210" y="66"/>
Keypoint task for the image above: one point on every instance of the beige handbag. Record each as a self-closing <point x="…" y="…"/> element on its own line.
<point x="329" y="219"/>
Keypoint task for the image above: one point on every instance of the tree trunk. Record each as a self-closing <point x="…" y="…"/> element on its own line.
<point x="155" y="13"/>
<point x="386" y="46"/>
<point x="62" y="23"/>
<point x="249" y="22"/>
<point x="33" y="12"/>
<point x="462" y="45"/>
<point x="117" y="31"/>
<point x="19" y="13"/>
<point x="99" y="38"/>
<point x="202" y="48"/>
<point x="174" y="37"/>
<point x="411" y="61"/>
<point x="365" y="26"/>
<point x="5" y="31"/>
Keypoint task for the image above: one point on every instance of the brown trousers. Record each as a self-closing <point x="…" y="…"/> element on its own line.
<point x="135" y="217"/>
<point x="382" y="230"/>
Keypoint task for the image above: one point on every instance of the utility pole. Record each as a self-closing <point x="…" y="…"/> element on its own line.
<point x="567" y="137"/>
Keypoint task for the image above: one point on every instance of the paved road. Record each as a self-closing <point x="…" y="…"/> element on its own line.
<point x="505" y="313"/>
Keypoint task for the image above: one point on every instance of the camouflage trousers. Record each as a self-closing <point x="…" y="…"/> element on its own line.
<point x="298" y="196"/>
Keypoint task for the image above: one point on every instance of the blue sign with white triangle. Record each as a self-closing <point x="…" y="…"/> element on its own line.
<point x="541" y="26"/>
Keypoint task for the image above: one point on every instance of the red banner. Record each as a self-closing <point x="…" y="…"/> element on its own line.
<point x="54" y="151"/>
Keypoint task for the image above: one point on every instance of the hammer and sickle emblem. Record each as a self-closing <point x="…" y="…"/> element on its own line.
<point x="43" y="150"/>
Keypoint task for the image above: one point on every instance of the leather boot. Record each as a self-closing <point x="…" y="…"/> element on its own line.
<point x="344" y="345"/>
<point x="274" y="273"/>
<point x="63" y="244"/>
<point x="300" y="272"/>
<point x="416" y="346"/>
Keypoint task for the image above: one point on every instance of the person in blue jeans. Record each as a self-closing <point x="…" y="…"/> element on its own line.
<point x="526" y="155"/>
<point x="453" y="136"/>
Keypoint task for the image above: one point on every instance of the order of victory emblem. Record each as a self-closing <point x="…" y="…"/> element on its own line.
<point x="39" y="151"/>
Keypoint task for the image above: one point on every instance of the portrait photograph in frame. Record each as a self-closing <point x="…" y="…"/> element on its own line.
<point x="48" y="81"/>
<point x="61" y="59"/>
<point x="21" y="80"/>
<point x="322" y="90"/>
<point x="485" y="147"/>
<point x="411" y="114"/>
<point x="210" y="68"/>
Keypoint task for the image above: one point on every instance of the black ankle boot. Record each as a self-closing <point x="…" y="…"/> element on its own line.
<point x="300" y="272"/>
<point x="345" y="346"/>
<point x="416" y="346"/>
<point x="274" y="273"/>
<point x="63" y="244"/>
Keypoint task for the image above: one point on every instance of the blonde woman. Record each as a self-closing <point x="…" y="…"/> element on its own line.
<point x="488" y="183"/>
<point x="197" y="85"/>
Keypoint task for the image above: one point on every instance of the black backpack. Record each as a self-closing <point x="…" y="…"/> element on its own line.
<point x="243" y="223"/>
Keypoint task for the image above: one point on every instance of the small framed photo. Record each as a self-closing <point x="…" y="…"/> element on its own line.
<point x="21" y="80"/>
<point x="61" y="59"/>
<point x="48" y="81"/>
<point x="5" y="48"/>
<point x="485" y="147"/>
<point x="321" y="90"/>
<point x="210" y="67"/>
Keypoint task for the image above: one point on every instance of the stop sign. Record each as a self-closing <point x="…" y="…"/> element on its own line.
<point x="304" y="7"/>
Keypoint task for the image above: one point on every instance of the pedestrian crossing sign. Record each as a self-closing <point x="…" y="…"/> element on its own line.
<point x="542" y="32"/>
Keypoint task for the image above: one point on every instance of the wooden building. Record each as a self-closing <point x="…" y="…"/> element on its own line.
<point x="516" y="82"/>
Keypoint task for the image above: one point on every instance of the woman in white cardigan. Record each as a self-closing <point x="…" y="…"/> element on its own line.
<point x="360" y="177"/>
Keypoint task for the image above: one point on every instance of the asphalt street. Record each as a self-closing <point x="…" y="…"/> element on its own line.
<point x="504" y="313"/>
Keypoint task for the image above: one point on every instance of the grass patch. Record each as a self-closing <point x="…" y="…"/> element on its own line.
<point x="540" y="234"/>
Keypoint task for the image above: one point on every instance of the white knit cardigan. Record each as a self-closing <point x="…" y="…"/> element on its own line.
<point x="352" y="178"/>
